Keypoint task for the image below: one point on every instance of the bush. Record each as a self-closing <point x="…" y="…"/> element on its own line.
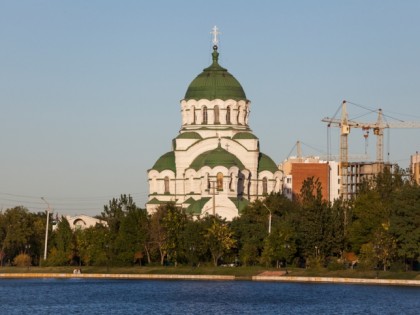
<point x="335" y="265"/>
<point x="22" y="260"/>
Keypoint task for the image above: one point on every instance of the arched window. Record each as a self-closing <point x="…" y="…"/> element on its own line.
<point x="166" y="182"/>
<point x="204" y="115"/>
<point x="228" y="115"/>
<point x="240" y="189"/>
<point x="264" y="186"/>
<point x="193" y="114"/>
<point x="216" y="115"/>
<point x="219" y="181"/>
<point x="191" y="184"/>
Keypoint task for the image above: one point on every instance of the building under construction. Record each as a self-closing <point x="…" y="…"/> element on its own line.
<point x="359" y="173"/>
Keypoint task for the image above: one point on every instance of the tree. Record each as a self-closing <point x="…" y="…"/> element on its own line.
<point x="157" y="233"/>
<point x="93" y="245"/>
<point x="114" y="214"/>
<point x="405" y="222"/>
<point x="16" y="231"/>
<point x="192" y="237"/>
<point x="63" y="244"/>
<point x="312" y="221"/>
<point x="279" y="246"/>
<point x="219" y="239"/>
<point x="173" y="223"/>
<point x="132" y="236"/>
<point x="251" y="228"/>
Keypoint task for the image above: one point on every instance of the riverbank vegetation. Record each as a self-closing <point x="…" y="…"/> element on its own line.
<point x="376" y="233"/>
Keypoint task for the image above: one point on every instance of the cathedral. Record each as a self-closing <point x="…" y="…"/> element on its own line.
<point x="215" y="165"/>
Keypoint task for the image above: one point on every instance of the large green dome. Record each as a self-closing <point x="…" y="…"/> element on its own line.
<point x="216" y="157"/>
<point x="215" y="82"/>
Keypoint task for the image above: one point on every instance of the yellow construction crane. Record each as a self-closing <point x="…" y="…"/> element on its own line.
<point x="378" y="130"/>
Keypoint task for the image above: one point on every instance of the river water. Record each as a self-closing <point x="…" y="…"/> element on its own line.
<point x="83" y="296"/>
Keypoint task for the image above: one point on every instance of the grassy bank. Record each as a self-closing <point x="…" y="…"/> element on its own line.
<point x="245" y="272"/>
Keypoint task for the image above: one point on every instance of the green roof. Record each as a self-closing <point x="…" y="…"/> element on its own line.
<point x="240" y="203"/>
<point x="165" y="162"/>
<point x="189" y="135"/>
<point x="197" y="205"/>
<point x="215" y="82"/>
<point x="216" y="157"/>
<point x="265" y="163"/>
<point x="156" y="201"/>
<point x="189" y="200"/>
<point x="244" y="135"/>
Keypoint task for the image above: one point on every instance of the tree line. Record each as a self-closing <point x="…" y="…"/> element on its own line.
<point x="380" y="228"/>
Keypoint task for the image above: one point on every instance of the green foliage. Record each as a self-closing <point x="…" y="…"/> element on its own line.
<point x="381" y="226"/>
<point x="219" y="238"/>
<point x="319" y="227"/>
<point x="20" y="230"/>
<point x="62" y="245"/>
<point x="192" y="236"/>
<point x="279" y="246"/>
<point x="93" y="246"/>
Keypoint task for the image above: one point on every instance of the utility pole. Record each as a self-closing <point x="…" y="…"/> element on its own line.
<point x="213" y="188"/>
<point x="46" y="228"/>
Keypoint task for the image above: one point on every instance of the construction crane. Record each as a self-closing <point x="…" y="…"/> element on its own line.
<point x="378" y="130"/>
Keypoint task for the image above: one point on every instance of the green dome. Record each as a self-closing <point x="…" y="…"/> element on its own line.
<point x="216" y="157"/>
<point x="189" y="135"/>
<point x="265" y="163"/>
<point x="244" y="135"/>
<point x="165" y="162"/>
<point x="215" y="82"/>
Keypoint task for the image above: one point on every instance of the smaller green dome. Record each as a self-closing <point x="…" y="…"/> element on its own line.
<point x="265" y="163"/>
<point x="244" y="135"/>
<point x="216" y="157"/>
<point x="165" y="162"/>
<point x="189" y="135"/>
<point x="215" y="82"/>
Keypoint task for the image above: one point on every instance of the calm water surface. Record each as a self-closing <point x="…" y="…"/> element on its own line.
<point x="81" y="296"/>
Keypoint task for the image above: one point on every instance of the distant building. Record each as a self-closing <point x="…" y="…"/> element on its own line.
<point x="80" y="222"/>
<point x="359" y="172"/>
<point x="297" y="169"/>
<point x="415" y="167"/>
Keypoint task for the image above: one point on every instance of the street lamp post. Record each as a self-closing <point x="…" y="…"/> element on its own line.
<point x="269" y="219"/>
<point x="46" y="228"/>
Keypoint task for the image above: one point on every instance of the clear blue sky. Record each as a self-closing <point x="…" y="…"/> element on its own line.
<point x="90" y="90"/>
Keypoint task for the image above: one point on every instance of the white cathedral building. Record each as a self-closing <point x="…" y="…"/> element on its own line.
<point x="215" y="165"/>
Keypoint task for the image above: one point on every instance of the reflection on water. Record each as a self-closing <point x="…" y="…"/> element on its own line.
<point x="82" y="296"/>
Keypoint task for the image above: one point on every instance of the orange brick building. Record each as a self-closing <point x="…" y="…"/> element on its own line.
<point x="301" y="171"/>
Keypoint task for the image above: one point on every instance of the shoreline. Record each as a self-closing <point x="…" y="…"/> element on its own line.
<point x="263" y="278"/>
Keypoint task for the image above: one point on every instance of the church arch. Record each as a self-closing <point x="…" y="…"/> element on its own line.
<point x="264" y="186"/>
<point x="205" y="115"/>
<point x="219" y="180"/>
<point x="193" y="115"/>
<point x="166" y="185"/>
<point x="228" y="115"/>
<point x="241" y="181"/>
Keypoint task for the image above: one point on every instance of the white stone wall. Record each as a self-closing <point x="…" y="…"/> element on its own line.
<point x="189" y="183"/>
